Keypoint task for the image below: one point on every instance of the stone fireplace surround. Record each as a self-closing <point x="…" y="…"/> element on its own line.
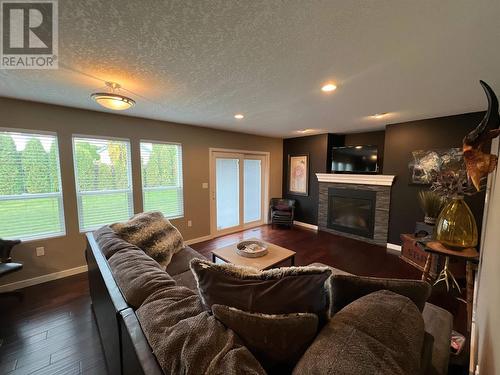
<point x="380" y="184"/>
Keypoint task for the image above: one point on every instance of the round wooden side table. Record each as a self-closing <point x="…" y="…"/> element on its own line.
<point x="471" y="257"/>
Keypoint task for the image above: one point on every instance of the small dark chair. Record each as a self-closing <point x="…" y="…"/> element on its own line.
<point x="6" y="264"/>
<point x="281" y="211"/>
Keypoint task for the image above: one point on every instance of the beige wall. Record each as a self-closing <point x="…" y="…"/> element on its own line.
<point x="68" y="252"/>
<point x="488" y="298"/>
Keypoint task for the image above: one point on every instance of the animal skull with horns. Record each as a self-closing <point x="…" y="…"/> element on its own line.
<point x="477" y="162"/>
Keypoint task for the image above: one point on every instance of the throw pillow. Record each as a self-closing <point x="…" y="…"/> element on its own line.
<point x="152" y="233"/>
<point x="277" y="291"/>
<point x="277" y="341"/>
<point x="348" y="288"/>
<point x="380" y="333"/>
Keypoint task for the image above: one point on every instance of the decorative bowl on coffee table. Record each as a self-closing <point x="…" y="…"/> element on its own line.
<point x="251" y="249"/>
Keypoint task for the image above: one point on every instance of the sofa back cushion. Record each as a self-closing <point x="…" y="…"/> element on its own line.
<point x="348" y="288"/>
<point x="153" y="233"/>
<point x="380" y="333"/>
<point x="180" y="261"/>
<point x="278" y="291"/>
<point x="109" y="242"/>
<point x="186" y="339"/>
<point x="137" y="275"/>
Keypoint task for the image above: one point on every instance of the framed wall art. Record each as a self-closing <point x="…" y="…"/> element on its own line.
<point x="298" y="174"/>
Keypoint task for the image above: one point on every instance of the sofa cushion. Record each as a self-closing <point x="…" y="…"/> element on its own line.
<point x="186" y="279"/>
<point x="186" y="339"/>
<point x="180" y="261"/>
<point x="282" y="207"/>
<point x="154" y="234"/>
<point x="109" y="242"/>
<point x="335" y="271"/>
<point x="277" y="291"/>
<point x="438" y="323"/>
<point x="277" y="341"/>
<point x="348" y="288"/>
<point x="380" y="333"/>
<point x="137" y="275"/>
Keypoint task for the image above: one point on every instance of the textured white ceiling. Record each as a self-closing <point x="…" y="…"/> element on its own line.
<point x="200" y="62"/>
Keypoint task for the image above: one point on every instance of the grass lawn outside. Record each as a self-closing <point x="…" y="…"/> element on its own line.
<point x="25" y="218"/>
<point x="169" y="202"/>
<point x="41" y="216"/>
<point x="102" y="209"/>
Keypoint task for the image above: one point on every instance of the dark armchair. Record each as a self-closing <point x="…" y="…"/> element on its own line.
<point x="281" y="211"/>
<point x="6" y="264"/>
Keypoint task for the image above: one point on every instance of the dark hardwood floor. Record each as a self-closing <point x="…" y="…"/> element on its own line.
<point x="340" y="252"/>
<point x="52" y="330"/>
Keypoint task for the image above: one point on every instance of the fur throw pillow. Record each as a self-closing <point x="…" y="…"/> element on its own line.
<point x="284" y="290"/>
<point x="153" y="233"/>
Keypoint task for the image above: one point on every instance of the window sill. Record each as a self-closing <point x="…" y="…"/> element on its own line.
<point x="43" y="237"/>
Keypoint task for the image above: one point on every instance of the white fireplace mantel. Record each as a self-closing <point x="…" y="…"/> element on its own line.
<point x="361" y="179"/>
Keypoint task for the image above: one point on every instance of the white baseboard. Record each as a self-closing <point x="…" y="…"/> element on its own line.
<point x="199" y="239"/>
<point x="42" y="279"/>
<point x="305" y="225"/>
<point x="394" y="247"/>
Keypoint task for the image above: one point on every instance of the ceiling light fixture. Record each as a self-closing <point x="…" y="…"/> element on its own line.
<point x="329" y="87"/>
<point x="113" y="100"/>
<point x="380" y="115"/>
<point x="239" y="116"/>
<point x="359" y="147"/>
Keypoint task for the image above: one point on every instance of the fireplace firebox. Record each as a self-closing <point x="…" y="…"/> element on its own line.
<point x="352" y="211"/>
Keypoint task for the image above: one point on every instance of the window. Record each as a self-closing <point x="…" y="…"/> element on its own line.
<point x="162" y="178"/>
<point x="103" y="181"/>
<point x="30" y="186"/>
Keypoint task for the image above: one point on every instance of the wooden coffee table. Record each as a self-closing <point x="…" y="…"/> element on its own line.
<point x="275" y="256"/>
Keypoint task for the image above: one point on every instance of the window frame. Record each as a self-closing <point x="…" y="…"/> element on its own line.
<point x="28" y="196"/>
<point x="180" y="177"/>
<point x="79" y="194"/>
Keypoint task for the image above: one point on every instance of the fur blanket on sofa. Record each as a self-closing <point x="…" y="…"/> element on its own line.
<point x="152" y="233"/>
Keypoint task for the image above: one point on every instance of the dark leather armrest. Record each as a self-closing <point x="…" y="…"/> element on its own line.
<point x="137" y="355"/>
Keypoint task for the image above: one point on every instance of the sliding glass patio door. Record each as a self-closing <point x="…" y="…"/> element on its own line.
<point x="227" y="191"/>
<point x="237" y="191"/>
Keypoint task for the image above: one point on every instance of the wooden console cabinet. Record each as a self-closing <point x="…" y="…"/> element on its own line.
<point x="414" y="254"/>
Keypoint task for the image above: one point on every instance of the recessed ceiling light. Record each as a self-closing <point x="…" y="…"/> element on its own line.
<point x="329" y="87"/>
<point x="238" y="116"/>
<point x="113" y="100"/>
<point x="380" y="115"/>
<point x="358" y="147"/>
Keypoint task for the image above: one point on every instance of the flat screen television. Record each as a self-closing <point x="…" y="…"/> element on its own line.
<point x="355" y="159"/>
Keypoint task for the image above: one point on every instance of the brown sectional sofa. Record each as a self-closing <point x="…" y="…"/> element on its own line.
<point x="138" y="306"/>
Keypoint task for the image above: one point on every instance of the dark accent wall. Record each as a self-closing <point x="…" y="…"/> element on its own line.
<point x="400" y="141"/>
<point x="316" y="147"/>
<point x="319" y="147"/>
